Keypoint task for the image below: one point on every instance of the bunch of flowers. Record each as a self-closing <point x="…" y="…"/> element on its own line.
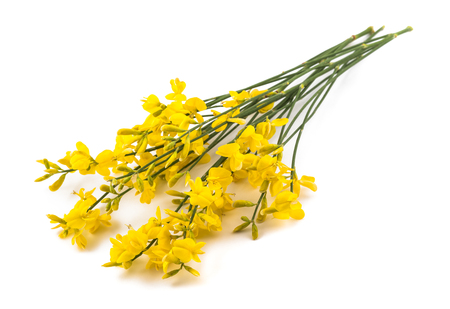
<point x="178" y="135"/>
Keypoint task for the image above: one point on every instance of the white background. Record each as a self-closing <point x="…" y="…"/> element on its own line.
<point x="376" y="233"/>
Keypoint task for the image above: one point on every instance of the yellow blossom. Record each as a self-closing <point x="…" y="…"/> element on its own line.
<point x="200" y="195"/>
<point x="237" y="98"/>
<point x="126" y="247"/>
<point x="151" y="104"/>
<point x="177" y="88"/>
<point x="228" y="117"/>
<point x="285" y="206"/>
<point x="211" y="220"/>
<point x="218" y="178"/>
<point x="267" y="128"/>
<point x="249" y="138"/>
<point x="186" y="250"/>
<point x="305" y="181"/>
<point x="194" y="105"/>
<point x="232" y="151"/>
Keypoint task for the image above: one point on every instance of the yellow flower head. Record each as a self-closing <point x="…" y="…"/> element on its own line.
<point x="237" y="98"/>
<point x="125" y="248"/>
<point x="177" y="88"/>
<point x="194" y="105"/>
<point x="267" y="128"/>
<point x="232" y="151"/>
<point x="285" y="206"/>
<point x="209" y="221"/>
<point x="305" y="181"/>
<point x="81" y="159"/>
<point x="218" y="178"/>
<point x="186" y="250"/>
<point x="151" y="104"/>
<point x="200" y="195"/>
<point x="249" y="138"/>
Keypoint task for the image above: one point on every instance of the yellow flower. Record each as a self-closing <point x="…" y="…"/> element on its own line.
<point x="177" y="88"/>
<point x="285" y="206"/>
<point x="197" y="145"/>
<point x="194" y="105"/>
<point x="186" y="250"/>
<point x="66" y="160"/>
<point x="265" y="170"/>
<point x="219" y="178"/>
<point x="125" y="248"/>
<point x="237" y="98"/>
<point x="267" y="128"/>
<point x="256" y="92"/>
<point x="223" y="201"/>
<point x="250" y="139"/>
<point x="85" y="164"/>
<point x="80" y="219"/>
<point x="232" y="152"/>
<point x="228" y="117"/>
<point x="157" y="252"/>
<point x="153" y="227"/>
<point x="151" y="104"/>
<point x="180" y="120"/>
<point x="211" y="219"/>
<point x="305" y="181"/>
<point x="81" y="159"/>
<point x="200" y="195"/>
<point x="104" y="161"/>
<point x="149" y="191"/>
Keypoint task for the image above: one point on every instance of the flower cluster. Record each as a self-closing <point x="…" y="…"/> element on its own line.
<point x="183" y="132"/>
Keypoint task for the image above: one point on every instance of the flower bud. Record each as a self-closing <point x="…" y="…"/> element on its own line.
<point x="170" y="128"/>
<point x="244" y="218"/>
<point x="174" y="179"/>
<point x="172" y="158"/>
<point x="186" y="148"/>
<point x="142" y="145"/>
<point x="126" y="169"/>
<point x="192" y="271"/>
<point x="106" y="200"/>
<point x="169" y="146"/>
<point x="279" y="157"/>
<point x="129" y="132"/>
<point x="47" y="165"/>
<point x="126" y="179"/>
<point x="175" y="193"/>
<point x="175" y="215"/>
<point x="264" y="186"/>
<point x="56" y="219"/>
<point x="115" y="204"/>
<point x="157" y="113"/>
<point x="104" y="188"/>
<point x="140" y="184"/>
<point x="111" y="264"/>
<point x="241" y="227"/>
<point x="171" y="273"/>
<point x="57" y="184"/>
<point x="150" y="169"/>
<point x="262" y="217"/>
<point x="108" y="206"/>
<point x="242" y="203"/>
<point x="265" y="150"/>
<point x="254" y="231"/>
<point x="46" y="176"/>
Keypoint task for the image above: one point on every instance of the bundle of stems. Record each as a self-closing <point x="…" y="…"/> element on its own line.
<point x="179" y="135"/>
